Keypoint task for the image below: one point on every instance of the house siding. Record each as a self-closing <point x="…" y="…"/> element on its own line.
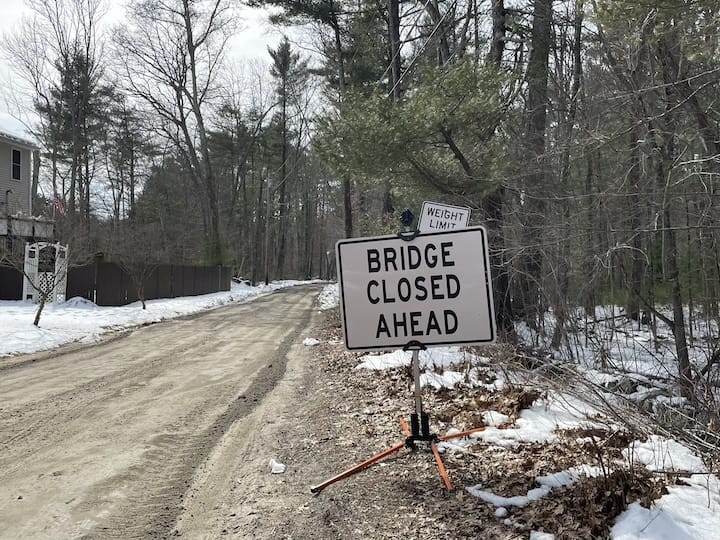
<point x="20" y="198"/>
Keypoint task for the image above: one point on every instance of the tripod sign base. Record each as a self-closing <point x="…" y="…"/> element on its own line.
<point x="408" y="442"/>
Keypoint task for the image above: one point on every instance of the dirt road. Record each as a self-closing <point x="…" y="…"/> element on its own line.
<point x="143" y="436"/>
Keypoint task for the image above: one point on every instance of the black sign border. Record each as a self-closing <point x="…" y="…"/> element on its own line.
<point x="488" y="285"/>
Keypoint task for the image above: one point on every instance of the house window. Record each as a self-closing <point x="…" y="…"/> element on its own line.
<point x="16" y="159"/>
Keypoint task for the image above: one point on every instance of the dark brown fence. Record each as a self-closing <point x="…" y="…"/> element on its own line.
<point x="10" y="284"/>
<point x="108" y="284"/>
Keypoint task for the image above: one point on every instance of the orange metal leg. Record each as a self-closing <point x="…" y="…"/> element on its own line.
<point x="441" y="466"/>
<point x="461" y="434"/>
<point x="405" y="428"/>
<point x="357" y="468"/>
<point x="396" y="448"/>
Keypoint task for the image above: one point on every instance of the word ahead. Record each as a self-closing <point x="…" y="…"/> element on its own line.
<point x="434" y="289"/>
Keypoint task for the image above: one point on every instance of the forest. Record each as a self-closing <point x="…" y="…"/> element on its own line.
<point x="583" y="134"/>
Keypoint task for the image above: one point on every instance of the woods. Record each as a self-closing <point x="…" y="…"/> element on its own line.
<point x="584" y="136"/>
<point x="157" y="146"/>
<point x="582" y="133"/>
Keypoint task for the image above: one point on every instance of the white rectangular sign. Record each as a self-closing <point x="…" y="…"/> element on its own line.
<point x="434" y="290"/>
<point x="438" y="217"/>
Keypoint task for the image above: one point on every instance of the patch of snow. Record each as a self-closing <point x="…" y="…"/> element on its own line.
<point x="639" y="523"/>
<point x="329" y="297"/>
<point x="444" y="357"/>
<point x="568" y="477"/>
<point x="538" y="423"/>
<point x="534" y="494"/>
<point x="687" y="512"/>
<point x="547" y="484"/>
<point x="537" y="535"/>
<point x="78" y="302"/>
<point x="385" y="361"/>
<point x="696" y="506"/>
<point x="661" y="454"/>
<point x="439" y="357"/>
<point x="494" y="418"/>
<point x="448" y="379"/>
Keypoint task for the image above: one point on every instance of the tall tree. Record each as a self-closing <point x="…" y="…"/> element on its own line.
<point x="290" y="75"/>
<point x="60" y="52"/>
<point x="125" y="151"/>
<point x="328" y="14"/>
<point x="170" y="57"/>
<point x="532" y="207"/>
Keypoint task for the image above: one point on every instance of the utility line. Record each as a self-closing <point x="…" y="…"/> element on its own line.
<point x="400" y="44"/>
<point x="422" y="49"/>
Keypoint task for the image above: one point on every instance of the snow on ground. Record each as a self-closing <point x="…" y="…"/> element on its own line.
<point x="547" y="484"/>
<point x="79" y="320"/>
<point x="661" y="454"/>
<point x="437" y="358"/>
<point x="689" y="511"/>
<point x="328" y="297"/>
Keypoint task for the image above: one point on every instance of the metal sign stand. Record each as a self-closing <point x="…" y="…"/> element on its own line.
<point x="419" y="430"/>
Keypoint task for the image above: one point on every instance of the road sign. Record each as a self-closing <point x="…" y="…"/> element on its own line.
<point x="434" y="289"/>
<point x="438" y="217"/>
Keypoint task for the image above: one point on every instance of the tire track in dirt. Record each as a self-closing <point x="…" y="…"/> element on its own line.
<point x="197" y="383"/>
<point x="167" y="471"/>
<point x="69" y="405"/>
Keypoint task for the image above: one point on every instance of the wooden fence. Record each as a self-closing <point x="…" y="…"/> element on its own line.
<point x="108" y="284"/>
<point x="10" y="284"/>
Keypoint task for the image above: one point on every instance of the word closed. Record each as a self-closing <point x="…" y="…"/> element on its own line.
<point x="433" y="290"/>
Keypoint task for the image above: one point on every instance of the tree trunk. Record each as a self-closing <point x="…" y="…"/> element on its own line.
<point x="256" y="246"/>
<point x="634" y="280"/>
<point x="443" y="47"/>
<point x="562" y="282"/>
<point x="533" y="207"/>
<point x="493" y="204"/>
<point x="673" y="275"/>
<point x="268" y="213"/>
<point x="283" y="210"/>
<point x="41" y="306"/>
<point x="665" y="163"/>
<point x="394" y="35"/>
<point x="493" y="211"/>
<point x="497" y="45"/>
<point x="346" y="182"/>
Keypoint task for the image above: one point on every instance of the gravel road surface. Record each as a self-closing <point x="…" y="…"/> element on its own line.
<point x="146" y="434"/>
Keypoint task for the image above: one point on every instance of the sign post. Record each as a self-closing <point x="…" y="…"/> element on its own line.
<point x="414" y="291"/>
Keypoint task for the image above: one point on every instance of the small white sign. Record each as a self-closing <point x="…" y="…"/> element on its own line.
<point x="434" y="290"/>
<point x="438" y="217"/>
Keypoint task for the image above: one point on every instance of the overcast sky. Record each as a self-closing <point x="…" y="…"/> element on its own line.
<point x="254" y="36"/>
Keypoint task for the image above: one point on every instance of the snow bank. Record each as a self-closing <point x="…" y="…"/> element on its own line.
<point x="79" y="320"/>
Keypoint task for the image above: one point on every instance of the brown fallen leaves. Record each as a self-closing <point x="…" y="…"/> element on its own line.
<point x="404" y="496"/>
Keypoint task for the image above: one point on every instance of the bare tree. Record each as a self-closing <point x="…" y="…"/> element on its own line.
<point x="136" y="250"/>
<point x="170" y="56"/>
